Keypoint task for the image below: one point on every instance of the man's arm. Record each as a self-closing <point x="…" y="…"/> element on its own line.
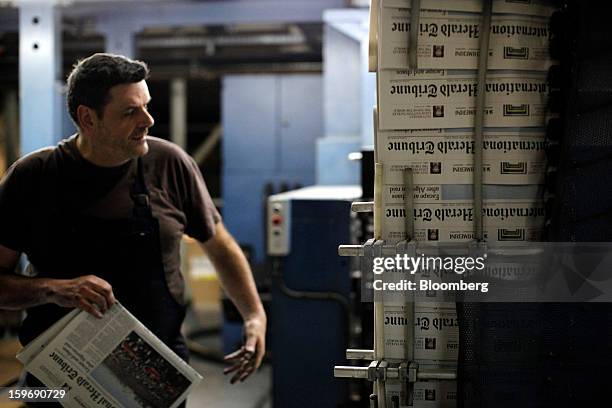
<point x="237" y="280"/>
<point x="21" y="292"/>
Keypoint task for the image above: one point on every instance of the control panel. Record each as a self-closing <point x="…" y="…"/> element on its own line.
<point x="279" y="225"/>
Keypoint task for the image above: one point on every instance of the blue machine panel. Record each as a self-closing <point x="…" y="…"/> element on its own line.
<point x="270" y="124"/>
<point x="309" y="336"/>
<point x="298" y="131"/>
<point x="249" y="115"/>
<point x="244" y="206"/>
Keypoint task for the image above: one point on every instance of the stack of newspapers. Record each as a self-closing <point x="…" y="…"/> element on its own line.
<point x="425" y="122"/>
<point x="110" y="362"/>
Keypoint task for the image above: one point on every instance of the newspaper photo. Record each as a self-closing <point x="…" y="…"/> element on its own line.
<point x="434" y="99"/>
<point x="110" y="362"/>
<point x="450" y="40"/>
<point x="440" y="156"/>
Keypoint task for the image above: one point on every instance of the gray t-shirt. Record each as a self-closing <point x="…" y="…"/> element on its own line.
<point x="178" y="194"/>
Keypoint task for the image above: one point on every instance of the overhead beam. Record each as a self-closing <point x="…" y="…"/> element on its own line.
<point x="172" y="13"/>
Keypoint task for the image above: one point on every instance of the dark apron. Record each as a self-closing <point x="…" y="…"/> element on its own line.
<point x="127" y="254"/>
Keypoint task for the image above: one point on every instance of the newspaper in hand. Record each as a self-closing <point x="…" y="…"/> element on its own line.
<point x="110" y="362"/>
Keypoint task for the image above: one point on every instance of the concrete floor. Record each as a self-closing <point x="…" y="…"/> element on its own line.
<point x="215" y="389"/>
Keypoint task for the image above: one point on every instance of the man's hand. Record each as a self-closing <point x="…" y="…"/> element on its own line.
<point x="90" y="293"/>
<point x="249" y="357"/>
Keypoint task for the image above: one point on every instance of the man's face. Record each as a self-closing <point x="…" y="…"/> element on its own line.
<point x="125" y="121"/>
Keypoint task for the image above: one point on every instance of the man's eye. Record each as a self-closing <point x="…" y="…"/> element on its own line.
<point x="129" y="113"/>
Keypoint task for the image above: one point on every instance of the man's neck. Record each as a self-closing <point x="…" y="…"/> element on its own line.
<point x="96" y="155"/>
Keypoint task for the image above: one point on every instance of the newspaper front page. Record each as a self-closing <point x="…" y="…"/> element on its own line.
<point x="453" y="221"/>
<point x="443" y="156"/>
<point x="450" y="40"/>
<point x="435" y="99"/>
<point x="111" y="362"/>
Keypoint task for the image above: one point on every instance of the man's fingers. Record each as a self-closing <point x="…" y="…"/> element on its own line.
<point x="102" y="287"/>
<point x="247" y="372"/>
<point x="88" y="307"/>
<point x="95" y="298"/>
<point x="231" y="369"/>
<point x="234" y="355"/>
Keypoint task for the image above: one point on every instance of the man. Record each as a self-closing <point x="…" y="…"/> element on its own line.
<point x="101" y="217"/>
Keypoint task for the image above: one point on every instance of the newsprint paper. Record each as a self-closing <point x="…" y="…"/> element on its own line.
<point x="451" y="40"/>
<point x="427" y="394"/>
<point x="436" y="334"/>
<point x="113" y="362"/>
<point x="541" y="8"/>
<point x="510" y="220"/>
<point x="442" y="156"/>
<point x="433" y="99"/>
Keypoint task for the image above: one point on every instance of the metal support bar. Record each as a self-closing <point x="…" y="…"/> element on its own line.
<point x="436" y="374"/>
<point x="39" y="72"/>
<point x="363" y="207"/>
<point x="378" y="191"/>
<point x="413" y="46"/>
<point x="351" y="372"/>
<point x="406" y="388"/>
<point x="359" y="354"/>
<point x="380" y="371"/>
<point x="479" y="120"/>
<point x="182" y="13"/>
<point x="371" y="371"/>
<point x="119" y="33"/>
<point x="350" y="250"/>
<point x="203" y="151"/>
<point x="178" y="112"/>
<point x="409" y="203"/>
<point x="11" y="118"/>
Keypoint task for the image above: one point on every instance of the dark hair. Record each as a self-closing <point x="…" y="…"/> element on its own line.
<point x="93" y="77"/>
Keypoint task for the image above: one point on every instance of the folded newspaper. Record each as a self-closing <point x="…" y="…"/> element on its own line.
<point x="110" y="362"/>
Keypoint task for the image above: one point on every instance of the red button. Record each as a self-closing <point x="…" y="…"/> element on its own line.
<point x="276" y="219"/>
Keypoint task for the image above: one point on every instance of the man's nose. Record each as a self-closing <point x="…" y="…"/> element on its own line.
<point x="148" y="120"/>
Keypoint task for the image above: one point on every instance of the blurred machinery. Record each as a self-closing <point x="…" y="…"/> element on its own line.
<point x="311" y="312"/>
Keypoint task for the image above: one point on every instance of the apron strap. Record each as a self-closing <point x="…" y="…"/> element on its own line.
<point x="142" y="214"/>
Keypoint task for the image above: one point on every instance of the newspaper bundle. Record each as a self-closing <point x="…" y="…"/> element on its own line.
<point x="541" y="8"/>
<point x="426" y="394"/>
<point x="450" y="40"/>
<point x="444" y="156"/>
<point x="111" y="362"/>
<point x="436" y="334"/>
<point x="434" y="99"/>
<point x="425" y="122"/>
<point x="453" y="221"/>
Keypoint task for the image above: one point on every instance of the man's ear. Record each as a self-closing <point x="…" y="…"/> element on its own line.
<point x="87" y="118"/>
